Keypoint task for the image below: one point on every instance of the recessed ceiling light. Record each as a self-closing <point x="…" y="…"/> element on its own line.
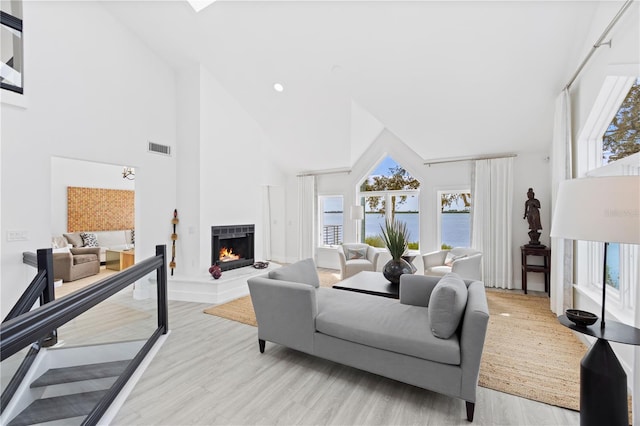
<point x="278" y="87"/>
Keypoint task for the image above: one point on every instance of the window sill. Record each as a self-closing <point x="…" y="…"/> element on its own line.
<point x="595" y="294"/>
<point x="7" y="97"/>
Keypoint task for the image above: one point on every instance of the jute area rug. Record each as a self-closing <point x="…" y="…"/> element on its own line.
<point x="527" y="352"/>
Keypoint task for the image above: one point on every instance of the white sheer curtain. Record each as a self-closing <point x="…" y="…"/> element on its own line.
<point x="561" y="249"/>
<point x="266" y="222"/>
<point x="306" y="216"/>
<point x="491" y="219"/>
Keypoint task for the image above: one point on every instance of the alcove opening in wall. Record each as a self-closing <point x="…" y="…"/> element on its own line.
<point x="93" y="198"/>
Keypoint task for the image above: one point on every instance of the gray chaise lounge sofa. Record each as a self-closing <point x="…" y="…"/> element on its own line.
<point x="392" y="338"/>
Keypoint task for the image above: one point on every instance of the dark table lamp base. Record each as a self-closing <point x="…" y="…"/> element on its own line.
<point x="603" y="388"/>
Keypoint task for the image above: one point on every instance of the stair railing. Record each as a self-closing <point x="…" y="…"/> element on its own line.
<point x="41" y="287"/>
<point x="21" y="331"/>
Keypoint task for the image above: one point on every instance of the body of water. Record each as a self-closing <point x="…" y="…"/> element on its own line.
<point x="455" y="226"/>
<point x="613" y="265"/>
<point x="456" y="229"/>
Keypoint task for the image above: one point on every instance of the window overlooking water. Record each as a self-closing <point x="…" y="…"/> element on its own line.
<point x="455" y="218"/>
<point x="620" y="141"/>
<point x="390" y="192"/>
<point x="609" y="145"/>
<point x="331" y="219"/>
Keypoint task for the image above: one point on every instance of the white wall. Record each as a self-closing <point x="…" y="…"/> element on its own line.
<point x="67" y="172"/>
<point x="188" y="173"/>
<point x="95" y="93"/>
<point x="234" y="166"/>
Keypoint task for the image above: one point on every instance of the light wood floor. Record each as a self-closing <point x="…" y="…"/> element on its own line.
<point x="70" y="287"/>
<point x="210" y="372"/>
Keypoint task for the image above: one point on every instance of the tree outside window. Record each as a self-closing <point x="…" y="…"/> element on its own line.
<point x="622" y="137"/>
<point x="390" y="192"/>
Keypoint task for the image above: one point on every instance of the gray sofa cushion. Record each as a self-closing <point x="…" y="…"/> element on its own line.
<point x="382" y="323"/>
<point x="303" y="271"/>
<point x="84" y="258"/>
<point x="446" y="305"/>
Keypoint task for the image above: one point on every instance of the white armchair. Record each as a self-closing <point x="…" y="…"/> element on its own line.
<point x="357" y="257"/>
<point x="465" y="262"/>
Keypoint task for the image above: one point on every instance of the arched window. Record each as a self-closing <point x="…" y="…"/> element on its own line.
<point x="390" y="192"/>
<point x="609" y="145"/>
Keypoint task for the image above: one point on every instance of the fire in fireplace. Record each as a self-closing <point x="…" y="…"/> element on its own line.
<point x="227" y="255"/>
<point x="232" y="246"/>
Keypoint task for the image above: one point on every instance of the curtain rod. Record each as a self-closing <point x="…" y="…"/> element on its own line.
<point x="599" y="42"/>
<point x="457" y="159"/>
<point x="323" y="172"/>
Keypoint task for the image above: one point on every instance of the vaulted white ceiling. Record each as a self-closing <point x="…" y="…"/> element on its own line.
<point x="449" y="78"/>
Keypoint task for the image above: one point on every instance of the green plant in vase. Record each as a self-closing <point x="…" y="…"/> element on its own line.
<point x="396" y="237"/>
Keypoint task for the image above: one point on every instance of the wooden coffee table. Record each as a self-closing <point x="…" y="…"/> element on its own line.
<point x="370" y="283"/>
<point x="118" y="260"/>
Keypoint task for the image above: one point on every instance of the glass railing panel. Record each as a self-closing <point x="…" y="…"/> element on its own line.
<point x="93" y="350"/>
<point x="117" y="319"/>
<point x="9" y="367"/>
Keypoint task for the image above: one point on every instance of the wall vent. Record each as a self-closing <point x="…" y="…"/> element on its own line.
<point x="159" y="149"/>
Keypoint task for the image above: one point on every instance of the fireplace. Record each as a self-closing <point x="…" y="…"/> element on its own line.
<point x="232" y="246"/>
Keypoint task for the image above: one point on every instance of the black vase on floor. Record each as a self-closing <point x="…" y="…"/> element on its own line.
<point x="394" y="268"/>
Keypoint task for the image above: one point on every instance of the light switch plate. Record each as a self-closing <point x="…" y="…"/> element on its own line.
<point x="18" y="235"/>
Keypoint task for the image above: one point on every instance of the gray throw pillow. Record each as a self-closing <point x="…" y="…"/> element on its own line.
<point x="74" y="239"/>
<point x="359" y="253"/>
<point x="303" y="271"/>
<point x="448" y="261"/>
<point x="446" y="305"/>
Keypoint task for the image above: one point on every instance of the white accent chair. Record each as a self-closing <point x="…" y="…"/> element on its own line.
<point x="465" y="262"/>
<point x="357" y="257"/>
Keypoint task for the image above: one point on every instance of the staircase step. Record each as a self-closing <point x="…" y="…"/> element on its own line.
<point x="57" y="408"/>
<point x="79" y="373"/>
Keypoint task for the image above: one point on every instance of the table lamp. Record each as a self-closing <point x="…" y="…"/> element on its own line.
<point x="607" y="210"/>
<point x="357" y="214"/>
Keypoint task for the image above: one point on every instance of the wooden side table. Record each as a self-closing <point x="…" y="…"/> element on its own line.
<point x="603" y="381"/>
<point x="118" y="260"/>
<point x="545" y="268"/>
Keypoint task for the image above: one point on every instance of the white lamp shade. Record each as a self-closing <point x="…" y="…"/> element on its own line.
<point x="605" y="209"/>
<point x="357" y="212"/>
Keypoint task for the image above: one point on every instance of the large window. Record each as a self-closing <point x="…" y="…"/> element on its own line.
<point x="11" y="52"/>
<point x="390" y="192"/>
<point x="331" y="219"/>
<point x="609" y="146"/>
<point x="454" y="218"/>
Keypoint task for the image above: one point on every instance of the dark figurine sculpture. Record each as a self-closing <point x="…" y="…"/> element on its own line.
<point x="532" y="214"/>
